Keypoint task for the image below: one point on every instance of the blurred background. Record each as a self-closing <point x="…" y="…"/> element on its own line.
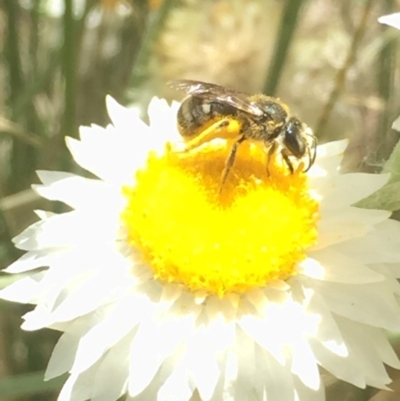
<point x="330" y="60"/>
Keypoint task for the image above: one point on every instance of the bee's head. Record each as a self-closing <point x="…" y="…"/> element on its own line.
<point x="293" y="138"/>
<point x="299" y="140"/>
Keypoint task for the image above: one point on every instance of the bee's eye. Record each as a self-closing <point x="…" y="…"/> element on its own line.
<point x="293" y="139"/>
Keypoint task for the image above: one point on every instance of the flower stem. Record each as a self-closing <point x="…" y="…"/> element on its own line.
<point x="341" y="75"/>
<point x="69" y="69"/>
<point x="154" y="26"/>
<point x="287" y="27"/>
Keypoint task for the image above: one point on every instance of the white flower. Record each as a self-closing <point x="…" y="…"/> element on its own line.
<point x="165" y="291"/>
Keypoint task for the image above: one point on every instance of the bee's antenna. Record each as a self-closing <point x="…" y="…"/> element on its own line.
<point x="311" y="154"/>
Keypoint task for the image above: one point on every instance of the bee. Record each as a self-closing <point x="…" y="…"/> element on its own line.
<point x="211" y="111"/>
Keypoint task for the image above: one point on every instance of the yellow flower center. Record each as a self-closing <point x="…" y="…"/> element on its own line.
<point x="253" y="231"/>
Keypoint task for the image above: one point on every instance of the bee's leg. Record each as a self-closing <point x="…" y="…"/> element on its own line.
<point x="230" y="160"/>
<point x="271" y="151"/>
<point x="287" y="161"/>
<point x="223" y="129"/>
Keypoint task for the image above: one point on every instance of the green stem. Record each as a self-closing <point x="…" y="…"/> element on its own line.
<point x="11" y="49"/>
<point x="341" y="75"/>
<point x="69" y="70"/>
<point x="286" y="30"/>
<point x="386" y="77"/>
<point x="21" y="159"/>
<point x="34" y="36"/>
<point x="156" y="23"/>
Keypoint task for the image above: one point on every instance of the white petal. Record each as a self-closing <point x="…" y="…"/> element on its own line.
<point x="83" y="154"/>
<point x="356" y="337"/>
<point x="201" y="363"/>
<point x="332" y="149"/>
<point x="113" y="369"/>
<point x="328" y="335"/>
<point x="391" y="271"/>
<point x="125" y="120"/>
<point x="391" y="20"/>
<point x="258" y="299"/>
<point x="304" y="365"/>
<point x="163" y="121"/>
<point x="354" y="215"/>
<point x="75" y="301"/>
<point x="347" y="189"/>
<point x="63" y="355"/>
<point x="303" y="392"/>
<point x="341" y="225"/>
<point x="328" y="161"/>
<point x="78" y="191"/>
<point x="226" y="387"/>
<point x="177" y="386"/>
<point x="79" y="388"/>
<point x="108" y="332"/>
<point x="245" y="353"/>
<point x="111" y="158"/>
<point x="51" y="177"/>
<point x="170" y="293"/>
<point x="61" y="230"/>
<point x="23" y="290"/>
<point x="153" y="342"/>
<point x="369" y="303"/>
<point x="272" y="379"/>
<point x="260" y="331"/>
<point x="341" y="367"/>
<point x="221" y="323"/>
<point x="379" y="341"/>
<point x="44" y="215"/>
<point x="379" y="246"/>
<point x="330" y="265"/>
<point x="32" y="260"/>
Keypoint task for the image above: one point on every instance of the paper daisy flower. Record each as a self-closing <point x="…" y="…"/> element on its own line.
<point x="166" y="289"/>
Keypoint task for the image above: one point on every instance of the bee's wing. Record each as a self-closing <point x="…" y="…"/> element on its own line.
<point x="217" y="93"/>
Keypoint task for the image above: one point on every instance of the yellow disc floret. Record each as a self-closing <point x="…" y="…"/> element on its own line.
<point x="251" y="232"/>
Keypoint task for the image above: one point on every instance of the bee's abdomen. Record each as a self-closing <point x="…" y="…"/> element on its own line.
<point x="196" y="114"/>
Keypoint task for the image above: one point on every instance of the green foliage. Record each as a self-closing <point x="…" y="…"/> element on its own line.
<point x="388" y="197"/>
<point x="29" y="384"/>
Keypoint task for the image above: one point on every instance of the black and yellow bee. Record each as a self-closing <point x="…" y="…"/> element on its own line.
<point x="211" y="111"/>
